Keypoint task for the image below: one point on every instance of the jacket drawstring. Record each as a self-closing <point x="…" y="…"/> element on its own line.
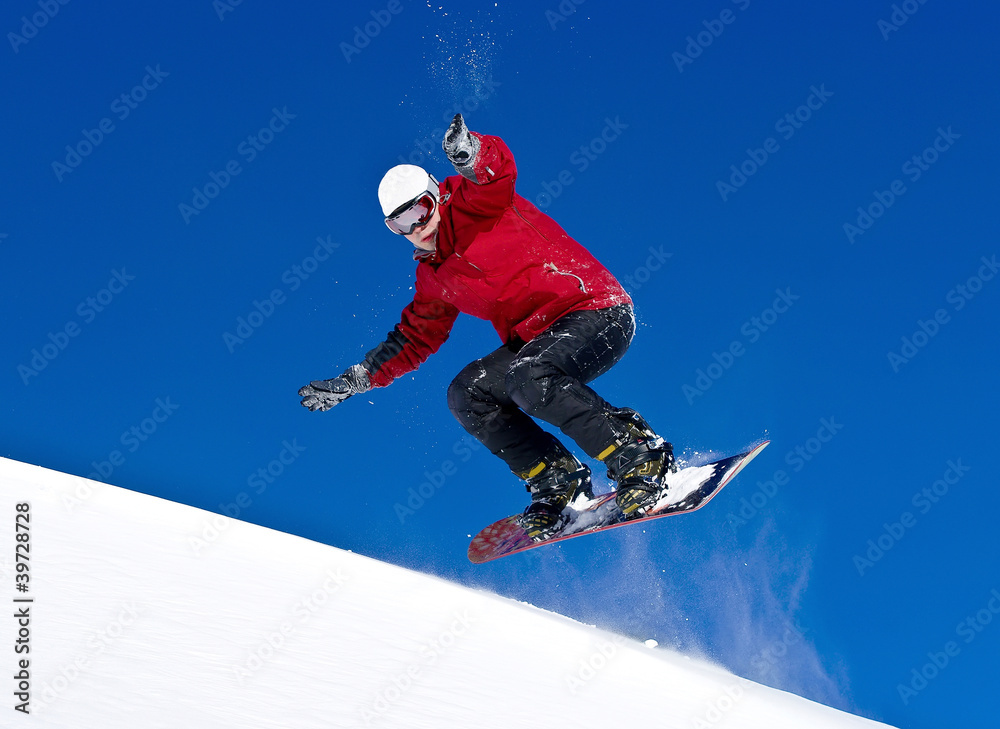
<point x="552" y="267"/>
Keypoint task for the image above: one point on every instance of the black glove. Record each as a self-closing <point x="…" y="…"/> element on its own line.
<point x="460" y="146"/>
<point x="324" y="394"/>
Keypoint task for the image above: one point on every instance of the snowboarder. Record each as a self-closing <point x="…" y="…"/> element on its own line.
<point x="563" y="319"/>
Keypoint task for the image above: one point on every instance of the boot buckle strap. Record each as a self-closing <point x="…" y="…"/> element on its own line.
<point x="630" y="456"/>
<point x="556" y="482"/>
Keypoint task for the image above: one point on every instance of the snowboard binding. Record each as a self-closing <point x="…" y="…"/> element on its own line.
<point x="554" y="482"/>
<point x="639" y="462"/>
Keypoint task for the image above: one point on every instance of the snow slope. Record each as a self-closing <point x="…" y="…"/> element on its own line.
<point x="148" y="613"/>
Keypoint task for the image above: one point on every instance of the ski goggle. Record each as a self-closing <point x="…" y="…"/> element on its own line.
<point x="416" y="213"/>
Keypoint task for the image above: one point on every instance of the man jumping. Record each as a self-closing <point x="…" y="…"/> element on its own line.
<point x="563" y="318"/>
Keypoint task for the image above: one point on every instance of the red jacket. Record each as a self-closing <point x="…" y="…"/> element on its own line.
<point x="498" y="258"/>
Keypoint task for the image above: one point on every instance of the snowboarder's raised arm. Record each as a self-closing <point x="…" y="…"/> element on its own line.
<point x="484" y="160"/>
<point x="424" y="326"/>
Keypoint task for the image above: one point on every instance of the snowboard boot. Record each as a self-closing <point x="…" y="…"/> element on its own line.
<point x="639" y="461"/>
<point x="553" y="483"/>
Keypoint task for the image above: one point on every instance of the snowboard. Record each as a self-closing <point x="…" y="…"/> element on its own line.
<point x="687" y="490"/>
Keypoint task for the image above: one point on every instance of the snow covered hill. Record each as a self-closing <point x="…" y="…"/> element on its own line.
<point x="146" y="613"/>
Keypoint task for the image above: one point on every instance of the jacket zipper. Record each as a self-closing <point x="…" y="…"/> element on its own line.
<point x="528" y="222"/>
<point x="460" y="257"/>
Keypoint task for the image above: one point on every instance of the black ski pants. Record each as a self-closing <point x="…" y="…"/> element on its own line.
<point x="496" y="397"/>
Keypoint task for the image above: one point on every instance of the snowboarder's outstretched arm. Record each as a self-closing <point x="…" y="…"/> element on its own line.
<point x="424" y="326"/>
<point x="484" y="160"/>
<point x="324" y="394"/>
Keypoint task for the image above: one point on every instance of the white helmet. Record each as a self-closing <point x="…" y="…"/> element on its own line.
<point x="403" y="184"/>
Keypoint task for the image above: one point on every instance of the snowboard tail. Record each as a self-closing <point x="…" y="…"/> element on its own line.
<point x="687" y="490"/>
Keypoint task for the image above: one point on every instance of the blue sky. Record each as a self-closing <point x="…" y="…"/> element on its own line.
<point x="866" y="354"/>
